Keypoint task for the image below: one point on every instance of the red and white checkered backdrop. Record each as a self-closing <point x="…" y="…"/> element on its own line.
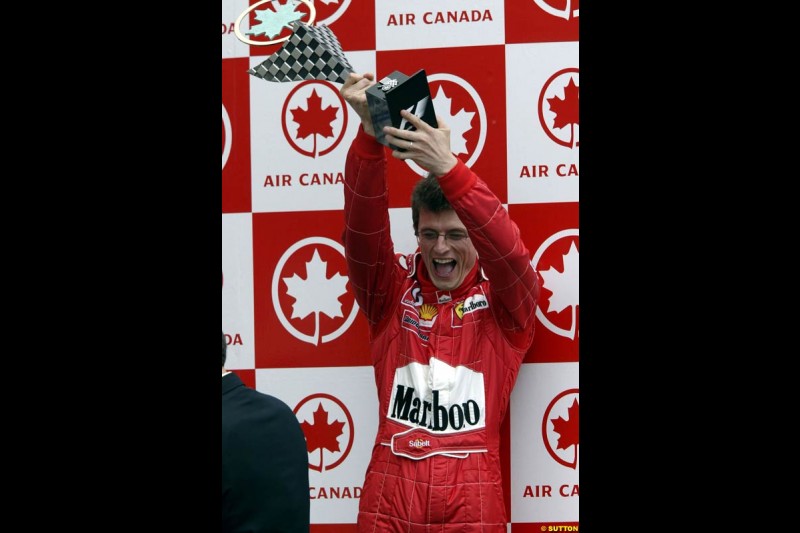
<point x="504" y="77"/>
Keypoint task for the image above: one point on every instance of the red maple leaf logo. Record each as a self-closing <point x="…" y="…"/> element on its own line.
<point x="314" y="120"/>
<point x="321" y="434"/>
<point x="567" y="429"/>
<point x="566" y="110"/>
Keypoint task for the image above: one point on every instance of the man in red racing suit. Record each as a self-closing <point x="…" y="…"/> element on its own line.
<point x="449" y="326"/>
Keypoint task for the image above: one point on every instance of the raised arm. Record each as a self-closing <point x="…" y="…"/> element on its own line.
<point x="501" y="251"/>
<point x="367" y="237"/>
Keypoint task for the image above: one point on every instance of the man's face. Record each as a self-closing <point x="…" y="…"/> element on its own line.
<point x="448" y="258"/>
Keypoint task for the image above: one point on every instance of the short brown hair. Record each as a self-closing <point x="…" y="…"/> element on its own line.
<point x="428" y="195"/>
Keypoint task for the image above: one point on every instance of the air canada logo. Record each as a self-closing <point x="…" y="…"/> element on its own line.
<point x="328" y="427"/>
<point x="309" y="291"/>
<point x="558" y="107"/>
<point x="560" y="428"/>
<point x="556" y="260"/>
<point x="313" y="118"/>
<point x="459" y="106"/>
<point x="227" y="136"/>
<point x="565" y="10"/>
<point x="268" y="22"/>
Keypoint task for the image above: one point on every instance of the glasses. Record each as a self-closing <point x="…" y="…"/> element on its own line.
<point x="431" y="236"/>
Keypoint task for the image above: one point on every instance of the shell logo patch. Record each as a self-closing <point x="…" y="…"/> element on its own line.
<point x="428" y="311"/>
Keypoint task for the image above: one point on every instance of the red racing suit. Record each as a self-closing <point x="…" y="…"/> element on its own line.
<point x="445" y="361"/>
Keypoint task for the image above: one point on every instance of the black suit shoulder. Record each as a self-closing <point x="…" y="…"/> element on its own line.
<point x="265" y="485"/>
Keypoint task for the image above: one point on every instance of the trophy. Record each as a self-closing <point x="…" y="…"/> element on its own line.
<point x="395" y="92"/>
<point x="314" y="53"/>
<point x="310" y="53"/>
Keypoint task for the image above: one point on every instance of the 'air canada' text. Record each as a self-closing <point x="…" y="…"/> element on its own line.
<point x="440" y="17"/>
<point x="305" y="179"/>
<point x="334" y="493"/>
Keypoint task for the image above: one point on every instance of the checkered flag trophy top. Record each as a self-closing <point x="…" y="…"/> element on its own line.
<point x="311" y="53"/>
